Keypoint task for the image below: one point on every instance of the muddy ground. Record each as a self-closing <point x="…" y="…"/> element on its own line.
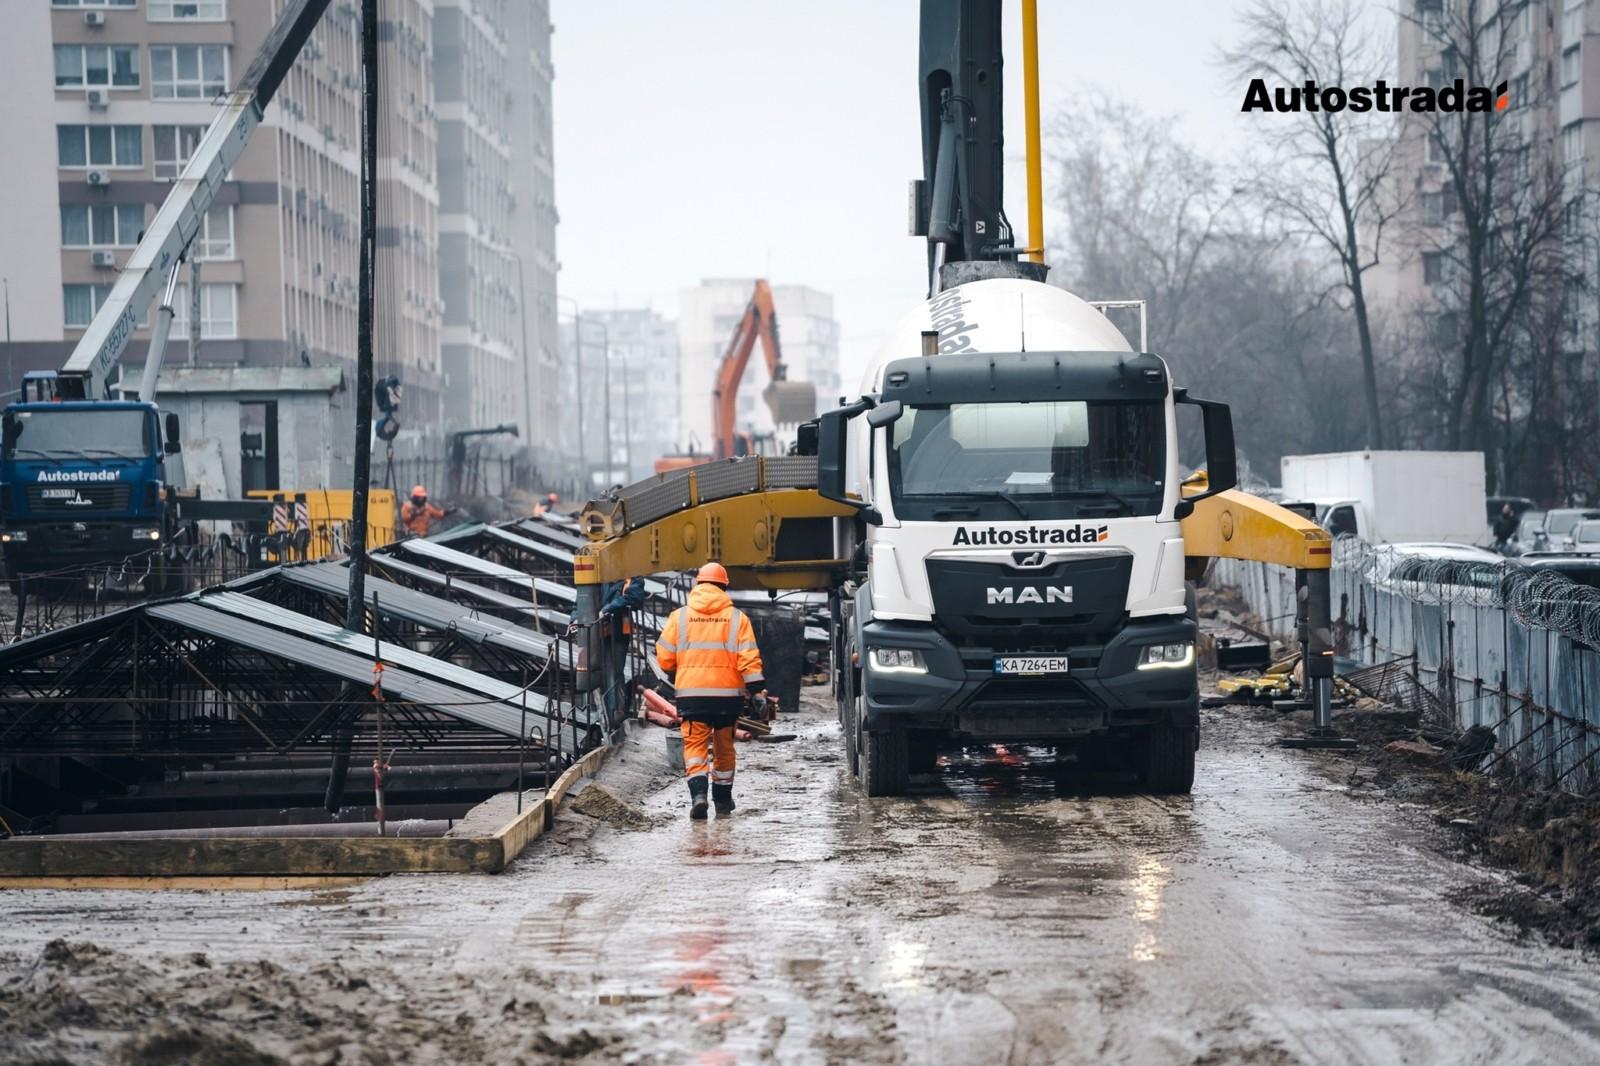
<point x="1295" y="909"/>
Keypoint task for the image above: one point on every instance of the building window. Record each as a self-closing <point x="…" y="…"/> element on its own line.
<point x="219" y="311"/>
<point x="1433" y="208"/>
<point x="80" y="302"/>
<point x="97" y="66"/>
<point x="1434" y="79"/>
<point x="172" y="147"/>
<point x="188" y="71"/>
<point x="215" y="239"/>
<point x="1572" y="143"/>
<point x="101" y="225"/>
<point x="186" y="10"/>
<point x="1435" y="147"/>
<point x="1431" y="13"/>
<point x="1572" y="218"/>
<point x="93" y="3"/>
<point x="1571" y="66"/>
<point x="1519" y="91"/>
<point x="1432" y="268"/>
<point x="100" y="146"/>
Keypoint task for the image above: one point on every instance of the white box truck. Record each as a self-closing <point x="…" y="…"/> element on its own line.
<point x="1393" y="497"/>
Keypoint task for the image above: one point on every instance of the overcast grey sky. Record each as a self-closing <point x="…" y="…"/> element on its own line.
<point x="712" y="138"/>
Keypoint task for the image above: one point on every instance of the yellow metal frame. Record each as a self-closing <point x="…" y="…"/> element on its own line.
<point x="1030" y="103"/>
<point x="1237" y="525"/>
<point x="740" y="532"/>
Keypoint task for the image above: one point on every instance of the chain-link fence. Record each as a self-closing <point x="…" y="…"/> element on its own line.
<point x="1500" y="645"/>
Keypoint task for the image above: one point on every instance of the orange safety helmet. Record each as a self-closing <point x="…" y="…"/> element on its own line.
<point x="712" y="573"/>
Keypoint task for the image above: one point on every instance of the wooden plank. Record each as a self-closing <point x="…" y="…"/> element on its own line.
<point x="253" y="856"/>
<point x="517" y="834"/>
<point x="190" y="884"/>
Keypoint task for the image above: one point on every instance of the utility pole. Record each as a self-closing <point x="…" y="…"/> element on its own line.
<point x="355" y="606"/>
<point x="577" y="375"/>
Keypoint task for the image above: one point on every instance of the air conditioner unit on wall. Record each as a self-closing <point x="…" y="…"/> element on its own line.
<point x="97" y="177"/>
<point x="97" y="99"/>
<point x="94" y="18"/>
<point x="103" y="260"/>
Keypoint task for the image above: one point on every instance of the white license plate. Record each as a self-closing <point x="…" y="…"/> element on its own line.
<point x="1030" y="664"/>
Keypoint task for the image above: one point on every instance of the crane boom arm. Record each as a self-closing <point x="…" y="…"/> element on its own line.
<point x="168" y="237"/>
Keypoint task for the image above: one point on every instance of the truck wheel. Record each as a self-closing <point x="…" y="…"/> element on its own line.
<point x="885" y="766"/>
<point x="848" y="713"/>
<point x="923" y="754"/>
<point x="1165" y="757"/>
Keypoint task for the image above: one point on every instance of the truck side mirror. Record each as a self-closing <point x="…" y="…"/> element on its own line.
<point x="885" y="413"/>
<point x="10" y="431"/>
<point x="174" y="437"/>
<point x="805" y="438"/>
<point x="1222" y="462"/>
<point x="833" y="446"/>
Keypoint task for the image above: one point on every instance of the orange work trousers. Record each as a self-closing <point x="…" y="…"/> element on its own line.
<point x="707" y="749"/>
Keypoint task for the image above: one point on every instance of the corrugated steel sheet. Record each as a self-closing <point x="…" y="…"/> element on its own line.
<point x="360" y="644"/>
<point x="425" y="690"/>
<point x="461" y="561"/>
<point x="487" y="596"/>
<point x="419" y="608"/>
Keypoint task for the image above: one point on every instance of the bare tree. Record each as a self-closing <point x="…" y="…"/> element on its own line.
<point x="1141" y="208"/>
<point x="1238" y="309"/>
<point x="1493" y="216"/>
<point x="1329" y="177"/>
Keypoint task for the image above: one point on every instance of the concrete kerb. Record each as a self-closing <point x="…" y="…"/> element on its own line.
<point x="264" y="862"/>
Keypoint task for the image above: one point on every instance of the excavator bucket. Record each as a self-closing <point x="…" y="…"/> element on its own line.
<point x="791" y="402"/>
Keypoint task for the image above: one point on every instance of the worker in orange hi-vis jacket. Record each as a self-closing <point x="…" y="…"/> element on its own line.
<point x="709" y="650"/>
<point x="417" y="514"/>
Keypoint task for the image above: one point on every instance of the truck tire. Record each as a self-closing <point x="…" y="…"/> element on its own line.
<point x="1165" y="759"/>
<point x="848" y="714"/>
<point x="885" y="762"/>
<point x="923" y="754"/>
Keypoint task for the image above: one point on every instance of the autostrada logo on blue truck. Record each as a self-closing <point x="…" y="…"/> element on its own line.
<point x="78" y="475"/>
<point x="988" y="537"/>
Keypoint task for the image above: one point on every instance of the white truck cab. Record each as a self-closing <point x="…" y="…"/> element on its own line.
<point x="1019" y="559"/>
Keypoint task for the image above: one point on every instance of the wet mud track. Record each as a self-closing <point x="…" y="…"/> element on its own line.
<point x="990" y="917"/>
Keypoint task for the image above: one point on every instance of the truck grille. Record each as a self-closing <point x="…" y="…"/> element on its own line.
<point x="77" y="499"/>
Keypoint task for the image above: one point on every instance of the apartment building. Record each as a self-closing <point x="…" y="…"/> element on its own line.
<point x="707" y="316"/>
<point x="1548" y="53"/>
<point x="108" y="100"/>
<point x="642" y="348"/>
<point x="497" y="217"/>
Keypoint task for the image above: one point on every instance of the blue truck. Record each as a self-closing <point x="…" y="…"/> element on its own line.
<point x="86" y="478"/>
<point x="83" y="483"/>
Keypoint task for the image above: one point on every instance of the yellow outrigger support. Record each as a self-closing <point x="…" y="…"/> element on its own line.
<point x="763" y="519"/>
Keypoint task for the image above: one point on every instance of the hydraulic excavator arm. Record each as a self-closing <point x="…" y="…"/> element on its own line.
<point x="759" y="323"/>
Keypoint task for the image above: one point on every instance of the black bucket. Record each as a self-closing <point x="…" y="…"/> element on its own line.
<point x="781" y="635"/>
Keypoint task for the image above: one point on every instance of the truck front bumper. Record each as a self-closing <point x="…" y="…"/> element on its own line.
<point x="960" y="694"/>
<point x="53" y="546"/>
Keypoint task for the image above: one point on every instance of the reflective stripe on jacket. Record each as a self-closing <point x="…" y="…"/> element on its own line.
<point x="710" y="646"/>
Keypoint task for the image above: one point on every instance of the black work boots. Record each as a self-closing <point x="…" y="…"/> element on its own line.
<point x="697" y="798"/>
<point x="722" y="798"/>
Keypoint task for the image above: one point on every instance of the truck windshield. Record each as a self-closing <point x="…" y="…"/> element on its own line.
<point x="75" y="433"/>
<point x="1004" y="461"/>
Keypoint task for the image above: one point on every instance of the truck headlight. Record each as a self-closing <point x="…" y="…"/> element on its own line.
<point x="14" y="536"/>
<point x="898" y="661"/>
<point x="147" y="534"/>
<point x="1167" y="656"/>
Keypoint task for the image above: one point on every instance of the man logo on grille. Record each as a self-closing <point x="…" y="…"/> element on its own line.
<point x="1027" y="559"/>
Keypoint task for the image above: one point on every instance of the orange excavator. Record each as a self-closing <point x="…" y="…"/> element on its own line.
<point x="791" y="402"/>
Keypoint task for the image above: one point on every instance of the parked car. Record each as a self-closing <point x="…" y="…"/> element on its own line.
<point x="1438" y="570"/>
<point x="1520" y="505"/>
<point x="1581" y="569"/>
<point x="1585" y="538"/>
<point x="1559" y="522"/>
